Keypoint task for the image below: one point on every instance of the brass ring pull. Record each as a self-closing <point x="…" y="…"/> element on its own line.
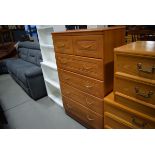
<point x="145" y="70"/>
<point x="143" y="94"/>
<point x="88" y="103"/>
<point x="138" y="122"/>
<point x="90" y="119"/>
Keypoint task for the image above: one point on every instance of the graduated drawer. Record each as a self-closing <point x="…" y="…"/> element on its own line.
<point x="82" y="98"/>
<point x="113" y="122"/>
<point x="82" y="65"/>
<point x="127" y="116"/>
<point x="135" y="65"/>
<point x="63" y="44"/>
<point x="88" y="45"/>
<point x="135" y="104"/>
<point x="86" y="84"/>
<point x="83" y="114"/>
<point x="138" y="89"/>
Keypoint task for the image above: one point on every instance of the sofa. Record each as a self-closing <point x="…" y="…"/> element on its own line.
<point x="26" y="69"/>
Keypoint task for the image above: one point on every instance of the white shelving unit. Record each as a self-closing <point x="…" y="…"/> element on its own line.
<point x="48" y="65"/>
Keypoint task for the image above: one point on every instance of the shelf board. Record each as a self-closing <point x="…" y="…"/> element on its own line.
<point x="49" y="64"/>
<point x="46" y="45"/>
<point x="44" y="27"/>
<point x="56" y="99"/>
<point x="53" y="83"/>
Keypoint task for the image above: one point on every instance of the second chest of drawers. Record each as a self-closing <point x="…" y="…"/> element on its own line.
<point x="85" y="67"/>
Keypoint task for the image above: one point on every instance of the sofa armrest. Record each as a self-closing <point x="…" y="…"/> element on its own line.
<point x="33" y="72"/>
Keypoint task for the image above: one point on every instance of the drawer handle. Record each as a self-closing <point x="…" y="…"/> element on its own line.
<point x="88" y="103"/>
<point x="68" y="106"/>
<point x="88" y="86"/>
<point x="64" y="62"/>
<point x="86" y="67"/>
<point x="138" y="122"/>
<point x="89" y="118"/>
<point x="62" y="45"/>
<point x="66" y="78"/>
<point x="145" y="70"/>
<point x="87" y="46"/>
<point x="143" y="94"/>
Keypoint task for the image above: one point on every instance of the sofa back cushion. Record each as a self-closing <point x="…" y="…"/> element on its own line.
<point x="30" y="51"/>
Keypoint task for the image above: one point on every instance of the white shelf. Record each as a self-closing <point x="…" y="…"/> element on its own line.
<point x="53" y="83"/>
<point x="47" y="45"/>
<point x="43" y="27"/>
<point x="56" y="99"/>
<point x="49" y="64"/>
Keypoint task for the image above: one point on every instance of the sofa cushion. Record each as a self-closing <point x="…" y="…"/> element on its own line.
<point x="23" y="53"/>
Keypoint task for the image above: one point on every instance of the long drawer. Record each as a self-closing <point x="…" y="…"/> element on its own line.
<point x="86" y="66"/>
<point x="86" y="84"/>
<point x="112" y="122"/>
<point x="127" y="115"/>
<point x="135" y="65"/>
<point x="84" y="99"/>
<point x="132" y="87"/>
<point x="87" y="116"/>
<point x="135" y="104"/>
<point x="88" y="45"/>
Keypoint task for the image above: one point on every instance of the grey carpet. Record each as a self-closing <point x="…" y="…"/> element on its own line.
<point x="22" y="112"/>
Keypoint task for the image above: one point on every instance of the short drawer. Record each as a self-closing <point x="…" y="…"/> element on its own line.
<point x="138" y="89"/>
<point x="135" y="104"/>
<point x="134" y="65"/>
<point x="87" y="116"/>
<point x="89" y="46"/>
<point x="63" y="44"/>
<point x="82" y="98"/>
<point x="112" y="122"/>
<point x="82" y="65"/>
<point x="132" y="119"/>
<point x="88" y="85"/>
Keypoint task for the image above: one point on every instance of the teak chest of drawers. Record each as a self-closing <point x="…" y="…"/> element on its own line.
<point x="134" y="85"/>
<point x="85" y="67"/>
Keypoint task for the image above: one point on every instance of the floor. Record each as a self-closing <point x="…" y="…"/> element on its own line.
<point x="22" y="112"/>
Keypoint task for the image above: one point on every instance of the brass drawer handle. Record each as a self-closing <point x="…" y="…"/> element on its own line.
<point x="143" y="94"/>
<point x="138" y="122"/>
<point x="145" y="70"/>
<point x="88" y="103"/>
<point x="89" y="118"/>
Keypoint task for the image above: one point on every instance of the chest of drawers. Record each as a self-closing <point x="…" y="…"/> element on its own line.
<point x="134" y="83"/>
<point x="85" y="67"/>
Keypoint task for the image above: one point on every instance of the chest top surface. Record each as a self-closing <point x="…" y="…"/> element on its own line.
<point x="138" y="47"/>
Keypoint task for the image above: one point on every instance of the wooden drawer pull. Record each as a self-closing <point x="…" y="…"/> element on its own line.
<point x="63" y="62"/>
<point x="62" y="45"/>
<point x="88" y="86"/>
<point x="88" y="103"/>
<point x="143" y="94"/>
<point x="138" y="122"/>
<point x="86" y="67"/>
<point x="89" y="118"/>
<point x="67" y="78"/>
<point x="145" y="70"/>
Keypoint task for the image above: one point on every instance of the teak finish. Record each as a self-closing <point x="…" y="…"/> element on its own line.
<point x="85" y="66"/>
<point x="133" y="102"/>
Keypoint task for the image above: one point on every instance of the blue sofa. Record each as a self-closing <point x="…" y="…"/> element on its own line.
<point x="26" y="69"/>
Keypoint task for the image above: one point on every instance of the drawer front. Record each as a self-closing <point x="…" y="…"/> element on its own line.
<point x="111" y="122"/>
<point x="88" y="85"/>
<point x="89" y="46"/>
<point x="132" y="120"/>
<point x="133" y="65"/>
<point x="136" y="89"/>
<point x="84" y="114"/>
<point x="84" y="99"/>
<point x="135" y="104"/>
<point x="63" y="44"/>
<point x="85" y="66"/>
